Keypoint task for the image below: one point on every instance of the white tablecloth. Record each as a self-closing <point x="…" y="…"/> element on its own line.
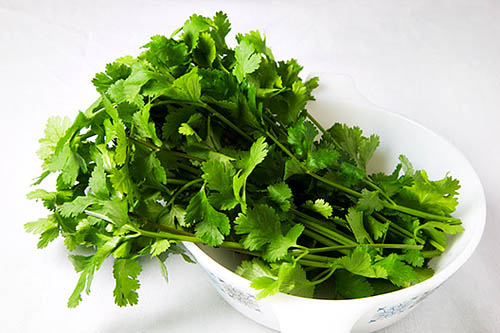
<point x="436" y="62"/>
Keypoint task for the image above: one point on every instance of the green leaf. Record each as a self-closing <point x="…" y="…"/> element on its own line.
<point x="319" y="206"/>
<point x="293" y="167"/>
<point x="126" y="272"/>
<point x="322" y="158"/>
<point x="369" y="202"/>
<point x="97" y="182"/>
<point x="186" y="88"/>
<point x="204" y="54"/>
<point x="192" y="29"/>
<point x="218" y="176"/>
<point x="144" y="127"/>
<point x="278" y="248"/>
<point x="359" y="262"/>
<point x="220" y="31"/>
<point x="247" y="61"/>
<point x="253" y="269"/>
<point x="407" y="166"/>
<point x="260" y="226"/>
<point x="176" y="213"/>
<point x="116" y="210"/>
<point x="48" y="236"/>
<point x="155" y="168"/>
<point x="128" y="90"/>
<point x="301" y="137"/>
<point x="210" y="225"/>
<point x="164" y="53"/>
<point x="376" y="229"/>
<point x="352" y="175"/>
<point x="257" y="41"/>
<point x="281" y="194"/>
<point x="358" y="147"/>
<point x="436" y="197"/>
<point x="41" y="225"/>
<point x="67" y="162"/>
<point x="258" y="152"/>
<point x="55" y="129"/>
<point x="355" y="220"/>
<point x="413" y="257"/>
<point x="173" y="121"/>
<point x="398" y="272"/>
<point x="114" y="71"/>
<point x="292" y="280"/>
<point x="77" y="206"/>
<point x="352" y="286"/>
<point x="159" y="246"/>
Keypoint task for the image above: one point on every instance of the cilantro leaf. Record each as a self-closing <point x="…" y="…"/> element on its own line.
<point x="355" y="220"/>
<point x="260" y="226"/>
<point x="352" y="286"/>
<point x="126" y="272"/>
<point x="247" y="60"/>
<point x="219" y="179"/>
<point x="145" y="128"/>
<point x="437" y="197"/>
<point x="359" y="262"/>
<point x="204" y="54"/>
<point x="359" y="148"/>
<point x="258" y="152"/>
<point x="186" y="88"/>
<point x="319" y="206"/>
<point x="55" y="129"/>
<point x="281" y="194"/>
<point x="210" y="225"/>
<point x="278" y="248"/>
<point x="398" y="272"/>
<point x="192" y="29"/>
<point x="370" y="202"/>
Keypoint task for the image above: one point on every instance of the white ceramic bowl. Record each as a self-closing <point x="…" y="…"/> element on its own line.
<point x="338" y="101"/>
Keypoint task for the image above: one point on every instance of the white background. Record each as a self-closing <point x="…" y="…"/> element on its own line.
<point x="436" y="62"/>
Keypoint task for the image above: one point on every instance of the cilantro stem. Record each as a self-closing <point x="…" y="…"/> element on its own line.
<point x="376" y="246"/>
<point x="318" y="226"/>
<point x="323" y="279"/>
<point x="322" y="239"/>
<point x="322" y="129"/>
<point x="431" y="253"/>
<point x="394" y="227"/>
<point x="421" y="214"/>
<point x="185" y="186"/>
<point x="313" y="263"/>
<point x="209" y="109"/>
<point x="168" y="151"/>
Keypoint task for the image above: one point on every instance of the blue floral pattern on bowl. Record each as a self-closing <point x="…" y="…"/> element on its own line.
<point x="235" y="294"/>
<point x="387" y="312"/>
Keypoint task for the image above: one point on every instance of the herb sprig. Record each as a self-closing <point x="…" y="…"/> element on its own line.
<point x="196" y="141"/>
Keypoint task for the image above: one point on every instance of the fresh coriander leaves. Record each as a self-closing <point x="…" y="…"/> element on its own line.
<point x="194" y="140"/>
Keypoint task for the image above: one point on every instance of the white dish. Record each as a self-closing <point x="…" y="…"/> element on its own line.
<point x="338" y="101"/>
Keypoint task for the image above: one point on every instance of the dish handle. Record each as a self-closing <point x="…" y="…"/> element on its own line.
<point x="306" y="315"/>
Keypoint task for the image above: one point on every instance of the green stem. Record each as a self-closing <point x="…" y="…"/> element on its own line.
<point x="319" y="227"/>
<point x="376" y="246"/>
<point x="191" y="183"/>
<point x="397" y="228"/>
<point x="172" y="152"/>
<point x="418" y="213"/>
<point x="431" y="253"/>
<point x="212" y="111"/>
<point x="330" y="273"/>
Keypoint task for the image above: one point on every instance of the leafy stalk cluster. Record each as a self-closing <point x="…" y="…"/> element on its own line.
<point x="196" y="141"/>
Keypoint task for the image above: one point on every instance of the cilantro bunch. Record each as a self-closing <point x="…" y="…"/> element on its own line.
<point x="196" y="141"/>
